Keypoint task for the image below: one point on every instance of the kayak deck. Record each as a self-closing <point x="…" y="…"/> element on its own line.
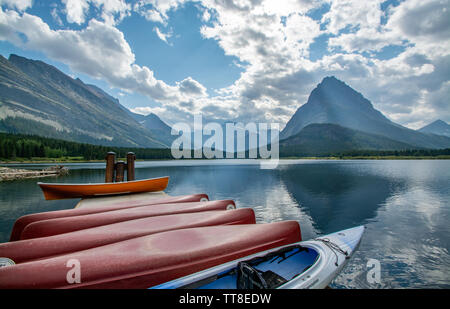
<point x="275" y="269"/>
<point x="305" y="264"/>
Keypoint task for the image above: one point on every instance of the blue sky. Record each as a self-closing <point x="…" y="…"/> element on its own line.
<point x="242" y="60"/>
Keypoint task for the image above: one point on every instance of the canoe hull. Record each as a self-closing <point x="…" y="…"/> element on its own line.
<point x="56" y="226"/>
<point x="151" y="260"/>
<point x="55" y="191"/>
<point x="45" y="247"/>
<point x="23" y="221"/>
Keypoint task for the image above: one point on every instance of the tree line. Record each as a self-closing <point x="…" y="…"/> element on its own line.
<point x="396" y="153"/>
<point x="14" y="146"/>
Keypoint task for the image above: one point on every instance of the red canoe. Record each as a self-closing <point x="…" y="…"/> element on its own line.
<point x="75" y="223"/>
<point x="56" y="191"/>
<point x="150" y="260"/>
<point x="23" y="221"/>
<point x="37" y="248"/>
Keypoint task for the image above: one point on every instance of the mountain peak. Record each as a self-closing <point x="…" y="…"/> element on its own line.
<point x="335" y="102"/>
<point x="438" y="127"/>
<point x="330" y="79"/>
<point x="439" y="122"/>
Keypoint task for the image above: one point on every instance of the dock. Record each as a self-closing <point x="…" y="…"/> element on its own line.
<point x="15" y="174"/>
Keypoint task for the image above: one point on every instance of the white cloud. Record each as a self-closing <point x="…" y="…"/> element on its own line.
<point x="20" y="5"/>
<point x="161" y="35"/>
<point x="76" y="10"/>
<point x="352" y="14"/>
<point x="55" y="15"/>
<point x="156" y="10"/>
<point x="153" y="15"/>
<point x="426" y="24"/>
<point x="111" y="11"/>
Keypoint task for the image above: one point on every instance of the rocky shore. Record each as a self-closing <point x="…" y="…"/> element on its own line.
<point x="15" y="174"/>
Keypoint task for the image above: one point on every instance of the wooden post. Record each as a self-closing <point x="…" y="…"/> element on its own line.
<point x="130" y="166"/>
<point x="120" y="170"/>
<point x="109" y="172"/>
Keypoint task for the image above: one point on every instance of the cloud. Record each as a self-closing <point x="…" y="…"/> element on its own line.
<point x="111" y="11"/>
<point x="76" y="10"/>
<point x="156" y="10"/>
<point x="99" y="50"/>
<point x="272" y="42"/>
<point x="352" y="14"/>
<point x="191" y="86"/>
<point x="55" y="15"/>
<point x="20" y="5"/>
<point x="162" y="36"/>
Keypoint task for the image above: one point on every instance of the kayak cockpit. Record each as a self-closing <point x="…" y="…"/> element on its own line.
<point x="265" y="272"/>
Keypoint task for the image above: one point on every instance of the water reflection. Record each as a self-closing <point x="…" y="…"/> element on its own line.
<point x="337" y="196"/>
<point x="405" y="206"/>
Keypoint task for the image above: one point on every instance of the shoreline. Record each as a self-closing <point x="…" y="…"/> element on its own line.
<point x="9" y="174"/>
<point x="57" y="162"/>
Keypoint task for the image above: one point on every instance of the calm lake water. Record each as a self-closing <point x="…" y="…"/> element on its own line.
<point x="405" y="206"/>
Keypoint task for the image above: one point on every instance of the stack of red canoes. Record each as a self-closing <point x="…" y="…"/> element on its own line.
<point x="134" y="244"/>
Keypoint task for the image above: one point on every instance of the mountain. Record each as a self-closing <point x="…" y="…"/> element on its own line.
<point x="327" y="138"/>
<point x="159" y="128"/>
<point x="152" y="122"/>
<point x="437" y="127"/>
<point x="333" y="101"/>
<point x="37" y="98"/>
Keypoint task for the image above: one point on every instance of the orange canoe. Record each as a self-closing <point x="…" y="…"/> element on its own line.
<point x="56" y="191"/>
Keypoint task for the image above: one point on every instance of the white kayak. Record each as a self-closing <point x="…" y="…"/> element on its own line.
<point x="311" y="264"/>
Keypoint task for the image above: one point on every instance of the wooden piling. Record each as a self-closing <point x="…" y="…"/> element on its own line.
<point x="131" y="157"/>
<point x="110" y="162"/>
<point x="120" y="170"/>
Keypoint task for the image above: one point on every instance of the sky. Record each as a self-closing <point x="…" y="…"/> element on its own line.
<point x="242" y="60"/>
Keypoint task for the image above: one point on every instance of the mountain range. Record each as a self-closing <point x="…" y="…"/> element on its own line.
<point x="37" y="98"/>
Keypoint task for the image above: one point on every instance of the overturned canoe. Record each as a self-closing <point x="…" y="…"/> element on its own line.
<point x="150" y="260"/>
<point x="306" y="264"/>
<point x="44" y="247"/>
<point x="56" y="226"/>
<point x="23" y="221"/>
<point x="55" y="191"/>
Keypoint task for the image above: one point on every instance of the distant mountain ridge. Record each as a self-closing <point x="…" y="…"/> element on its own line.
<point x="37" y="98"/>
<point x="158" y="127"/>
<point x="327" y="138"/>
<point x="334" y="102"/>
<point x="437" y="127"/>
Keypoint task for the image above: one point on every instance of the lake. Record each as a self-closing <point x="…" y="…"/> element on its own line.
<point x="405" y="206"/>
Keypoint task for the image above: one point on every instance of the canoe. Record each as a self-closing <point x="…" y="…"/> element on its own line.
<point x="23" y="221"/>
<point x="56" y="226"/>
<point x="150" y="260"/>
<point x="45" y="247"/>
<point x="55" y="191"/>
<point x="303" y="265"/>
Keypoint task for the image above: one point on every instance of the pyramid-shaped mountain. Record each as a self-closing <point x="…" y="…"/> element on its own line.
<point x="334" y="102"/>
